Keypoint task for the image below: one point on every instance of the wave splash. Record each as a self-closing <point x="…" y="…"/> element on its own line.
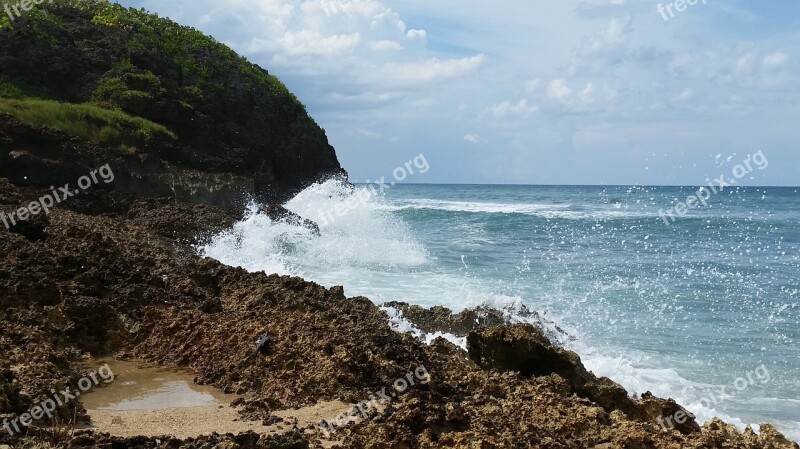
<point x="358" y="232"/>
<point x="366" y="246"/>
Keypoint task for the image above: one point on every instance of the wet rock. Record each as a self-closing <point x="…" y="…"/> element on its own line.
<point x="279" y="213"/>
<point x="187" y="223"/>
<point x="524" y="348"/>
<point x="101" y="203"/>
<point x="442" y="319"/>
<point x="338" y="292"/>
<point x="42" y="292"/>
<point x="292" y="440"/>
<point x="668" y="414"/>
<point x="771" y="438"/>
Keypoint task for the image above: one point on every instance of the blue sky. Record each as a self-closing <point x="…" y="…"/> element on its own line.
<point x="532" y="91"/>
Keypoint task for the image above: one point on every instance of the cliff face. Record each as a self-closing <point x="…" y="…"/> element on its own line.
<point x="221" y="114"/>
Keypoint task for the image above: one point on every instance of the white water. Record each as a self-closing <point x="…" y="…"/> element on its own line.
<point x="552" y="211"/>
<point x="367" y="248"/>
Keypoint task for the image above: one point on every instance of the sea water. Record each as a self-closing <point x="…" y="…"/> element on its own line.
<point x="691" y="309"/>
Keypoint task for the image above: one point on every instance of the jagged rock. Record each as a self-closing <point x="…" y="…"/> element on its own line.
<point x="338" y="292"/>
<point x="524" y="348"/>
<point x="279" y="213"/>
<point x="442" y="319"/>
<point x="668" y="414"/>
<point x="772" y="439"/>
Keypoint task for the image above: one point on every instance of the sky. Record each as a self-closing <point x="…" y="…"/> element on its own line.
<point x="610" y="92"/>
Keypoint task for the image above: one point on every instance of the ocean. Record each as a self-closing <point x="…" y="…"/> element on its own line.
<point x="704" y="309"/>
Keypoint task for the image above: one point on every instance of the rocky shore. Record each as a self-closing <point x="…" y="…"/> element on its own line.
<point x="114" y="275"/>
<point x="112" y="271"/>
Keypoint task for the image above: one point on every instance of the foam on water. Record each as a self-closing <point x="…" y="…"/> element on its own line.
<point x="564" y="211"/>
<point x="365" y="245"/>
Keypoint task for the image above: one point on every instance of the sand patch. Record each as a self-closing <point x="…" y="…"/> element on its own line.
<point x="150" y="401"/>
<point x="197" y="421"/>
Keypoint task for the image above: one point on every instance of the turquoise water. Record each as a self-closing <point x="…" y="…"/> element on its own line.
<point x="704" y="310"/>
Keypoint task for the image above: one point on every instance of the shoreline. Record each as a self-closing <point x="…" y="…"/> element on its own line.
<point x="153" y="300"/>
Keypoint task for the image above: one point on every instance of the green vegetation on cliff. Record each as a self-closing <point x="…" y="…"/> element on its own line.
<point x="90" y="122"/>
<point x="116" y="75"/>
<point x="153" y="35"/>
<point x="98" y="122"/>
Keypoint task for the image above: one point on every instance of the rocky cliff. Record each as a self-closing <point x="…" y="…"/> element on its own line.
<point x="173" y="111"/>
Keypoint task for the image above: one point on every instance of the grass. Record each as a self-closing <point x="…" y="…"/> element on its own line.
<point x="204" y="63"/>
<point x="91" y="122"/>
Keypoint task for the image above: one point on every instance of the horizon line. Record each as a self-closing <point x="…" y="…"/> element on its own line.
<point x="576" y="185"/>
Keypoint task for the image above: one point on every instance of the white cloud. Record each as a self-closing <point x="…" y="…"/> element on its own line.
<point x="746" y="63"/>
<point x="386" y="45"/>
<point x="429" y="70"/>
<point x="532" y="85"/>
<point x="475" y="138"/>
<point x="358" y="52"/>
<point x="307" y="42"/>
<point x="558" y="90"/>
<point x="608" y="41"/>
<point x="508" y="109"/>
<point x="417" y="34"/>
<point x="367" y="134"/>
<point x="775" y="61"/>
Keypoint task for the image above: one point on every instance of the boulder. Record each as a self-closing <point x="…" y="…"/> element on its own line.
<point x="525" y="349"/>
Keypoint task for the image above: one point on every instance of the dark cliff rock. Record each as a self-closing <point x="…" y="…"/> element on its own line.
<point x="229" y="123"/>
